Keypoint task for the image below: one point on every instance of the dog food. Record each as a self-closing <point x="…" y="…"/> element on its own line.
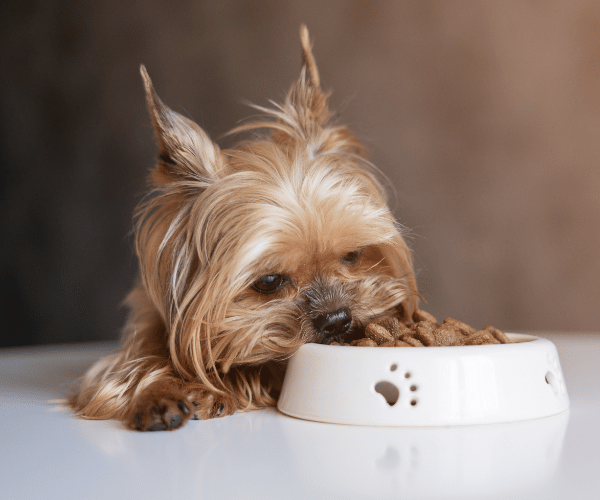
<point x="425" y="331"/>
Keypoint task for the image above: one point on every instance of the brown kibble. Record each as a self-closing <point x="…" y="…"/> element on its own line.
<point x="422" y="326"/>
<point x="419" y="316"/>
<point x="411" y="341"/>
<point x="395" y="327"/>
<point x="426" y="332"/>
<point x="459" y="326"/>
<point x="378" y="333"/>
<point x="447" y="335"/>
<point x="497" y="334"/>
<point x="481" y="338"/>
<point x="364" y="342"/>
<point x="401" y="343"/>
<point x="389" y="323"/>
<point x="423" y="331"/>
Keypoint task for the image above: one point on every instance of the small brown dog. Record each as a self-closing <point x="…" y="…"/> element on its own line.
<point x="246" y="254"/>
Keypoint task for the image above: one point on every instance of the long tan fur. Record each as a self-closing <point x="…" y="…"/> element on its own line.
<point x="200" y="341"/>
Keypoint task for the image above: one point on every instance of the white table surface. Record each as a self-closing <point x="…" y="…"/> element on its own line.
<point x="45" y="453"/>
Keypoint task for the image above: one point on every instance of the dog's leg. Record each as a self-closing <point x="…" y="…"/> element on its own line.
<point x="141" y="390"/>
<point x="137" y="384"/>
<point x="168" y="403"/>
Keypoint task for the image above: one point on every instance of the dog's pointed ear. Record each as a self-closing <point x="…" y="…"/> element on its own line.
<point x="306" y="96"/>
<point x="305" y="114"/>
<point x="185" y="150"/>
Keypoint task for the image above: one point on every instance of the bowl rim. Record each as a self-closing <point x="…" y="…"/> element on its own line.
<point x="517" y="339"/>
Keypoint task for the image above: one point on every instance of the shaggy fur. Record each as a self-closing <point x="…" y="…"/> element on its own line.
<point x="245" y="255"/>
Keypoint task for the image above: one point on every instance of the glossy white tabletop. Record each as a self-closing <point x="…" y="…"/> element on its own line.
<point x="45" y="453"/>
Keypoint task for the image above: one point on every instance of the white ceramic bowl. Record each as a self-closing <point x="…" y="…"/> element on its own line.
<point x="431" y="386"/>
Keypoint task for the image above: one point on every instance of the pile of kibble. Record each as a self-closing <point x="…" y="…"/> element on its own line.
<point x="425" y="331"/>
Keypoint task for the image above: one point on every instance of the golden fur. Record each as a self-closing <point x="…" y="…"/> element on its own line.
<point x="299" y="206"/>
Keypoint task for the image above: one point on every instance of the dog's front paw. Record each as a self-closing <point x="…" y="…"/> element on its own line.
<point x="210" y="406"/>
<point x="160" y="407"/>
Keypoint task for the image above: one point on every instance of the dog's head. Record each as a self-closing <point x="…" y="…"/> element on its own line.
<point x="250" y="252"/>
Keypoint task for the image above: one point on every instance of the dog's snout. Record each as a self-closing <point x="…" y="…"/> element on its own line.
<point x="334" y="323"/>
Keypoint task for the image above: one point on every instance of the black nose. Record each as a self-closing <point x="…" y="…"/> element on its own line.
<point x="333" y="323"/>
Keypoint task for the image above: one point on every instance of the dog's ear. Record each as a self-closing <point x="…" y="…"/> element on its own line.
<point x="304" y="116"/>
<point x="306" y="98"/>
<point x="185" y="151"/>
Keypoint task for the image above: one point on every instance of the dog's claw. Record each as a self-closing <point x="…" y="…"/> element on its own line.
<point x="183" y="407"/>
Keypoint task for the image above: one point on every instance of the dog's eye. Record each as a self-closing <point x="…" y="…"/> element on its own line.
<point x="351" y="257"/>
<point x="270" y="283"/>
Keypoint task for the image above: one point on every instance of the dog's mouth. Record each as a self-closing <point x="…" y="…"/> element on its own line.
<point x="355" y="332"/>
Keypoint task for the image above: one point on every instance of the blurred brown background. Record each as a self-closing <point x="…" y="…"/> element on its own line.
<point x="484" y="115"/>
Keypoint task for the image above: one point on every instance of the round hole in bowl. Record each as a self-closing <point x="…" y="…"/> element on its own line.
<point x="552" y="381"/>
<point x="407" y="375"/>
<point x="394" y="367"/>
<point x="389" y="391"/>
<point x="414" y="402"/>
<point x="413" y="388"/>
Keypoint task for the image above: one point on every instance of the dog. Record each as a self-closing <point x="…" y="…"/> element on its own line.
<point x="245" y="255"/>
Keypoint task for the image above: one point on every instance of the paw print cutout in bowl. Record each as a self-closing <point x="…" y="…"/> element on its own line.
<point x="433" y="386"/>
<point x="391" y="390"/>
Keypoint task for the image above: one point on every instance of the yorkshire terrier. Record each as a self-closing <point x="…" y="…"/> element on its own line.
<point x="246" y="254"/>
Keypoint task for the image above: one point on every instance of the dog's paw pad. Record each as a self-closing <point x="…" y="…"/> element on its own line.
<point x="175" y="421"/>
<point x="160" y="410"/>
<point x="158" y="426"/>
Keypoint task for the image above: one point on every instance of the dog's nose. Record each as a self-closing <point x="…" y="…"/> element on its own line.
<point x="334" y="323"/>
